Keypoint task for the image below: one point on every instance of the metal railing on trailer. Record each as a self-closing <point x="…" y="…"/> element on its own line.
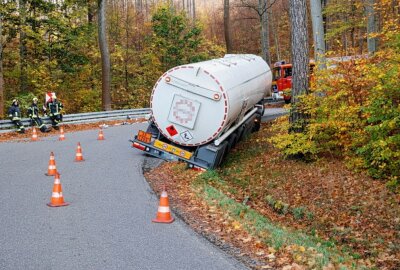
<point x="7" y="125"/>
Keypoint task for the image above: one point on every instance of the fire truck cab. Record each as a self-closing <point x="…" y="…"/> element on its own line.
<point x="282" y="79"/>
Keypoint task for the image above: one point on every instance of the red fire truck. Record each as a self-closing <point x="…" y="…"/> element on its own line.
<point x="282" y="79"/>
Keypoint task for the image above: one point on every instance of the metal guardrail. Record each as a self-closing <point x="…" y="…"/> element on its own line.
<point x="7" y="125"/>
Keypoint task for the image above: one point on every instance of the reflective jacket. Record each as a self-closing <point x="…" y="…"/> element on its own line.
<point x="54" y="108"/>
<point x="14" y="113"/>
<point x="33" y="111"/>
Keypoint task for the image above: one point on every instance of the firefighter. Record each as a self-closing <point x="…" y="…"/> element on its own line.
<point x="275" y="92"/>
<point x="14" y="113"/>
<point x="33" y="112"/>
<point x="53" y="109"/>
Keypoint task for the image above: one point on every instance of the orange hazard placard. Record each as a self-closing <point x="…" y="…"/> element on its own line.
<point x="144" y="136"/>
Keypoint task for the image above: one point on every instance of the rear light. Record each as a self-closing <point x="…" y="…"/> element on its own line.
<point x="198" y="169"/>
<point x="167" y="79"/>
<point x="138" y="146"/>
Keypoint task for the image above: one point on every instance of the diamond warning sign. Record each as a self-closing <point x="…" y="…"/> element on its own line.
<point x="172" y="130"/>
<point x="186" y="136"/>
<point x="184" y="111"/>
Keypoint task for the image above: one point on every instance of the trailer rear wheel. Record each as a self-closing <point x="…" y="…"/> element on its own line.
<point x="257" y="124"/>
<point x="233" y="139"/>
<point x="231" y="143"/>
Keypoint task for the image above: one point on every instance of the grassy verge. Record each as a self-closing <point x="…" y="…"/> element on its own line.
<point x="305" y="249"/>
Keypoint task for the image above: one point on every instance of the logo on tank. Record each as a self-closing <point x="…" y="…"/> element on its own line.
<point x="184" y="111"/>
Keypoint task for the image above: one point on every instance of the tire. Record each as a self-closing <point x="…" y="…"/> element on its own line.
<point x="233" y="139"/>
<point x="231" y="143"/>
<point x="257" y="125"/>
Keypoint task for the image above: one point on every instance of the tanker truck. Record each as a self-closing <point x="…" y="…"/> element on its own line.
<point x="200" y="111"/>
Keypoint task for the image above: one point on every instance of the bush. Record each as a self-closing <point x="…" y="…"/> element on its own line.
<point x="354" y="114"/>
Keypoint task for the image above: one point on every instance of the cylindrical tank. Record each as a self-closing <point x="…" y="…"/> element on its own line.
<point x="196" y="103"/>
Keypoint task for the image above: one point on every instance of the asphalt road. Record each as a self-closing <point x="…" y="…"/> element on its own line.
<point x="272" y="113"/>
<point x="108" y="223"/>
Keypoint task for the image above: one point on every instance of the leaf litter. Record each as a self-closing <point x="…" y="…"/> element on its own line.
<point x="357" y="215"/>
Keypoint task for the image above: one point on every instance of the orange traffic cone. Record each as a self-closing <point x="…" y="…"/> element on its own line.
<point x="57" y="198"/>
<point x="101" y="136"/>
<point x="52" y="170"/>
<point x="163" y="213"/>
<point x="78" y="155"/>
<point x="62" y="136"/>
<point x="34" y="134"/>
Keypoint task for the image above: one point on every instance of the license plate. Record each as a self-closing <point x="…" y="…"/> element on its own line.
<point x="172" y="149"/>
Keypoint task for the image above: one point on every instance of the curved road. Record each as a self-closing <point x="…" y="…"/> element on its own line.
<point x="108" y="224"/>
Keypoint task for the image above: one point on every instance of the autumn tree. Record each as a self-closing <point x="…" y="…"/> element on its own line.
<point x="300" y="59"/>
<point x="262" y="9"/>
<point x="227" y="27"/>
<point x="23" y="62"/>
<point x="1" y="63"/>
<point x="318" y="32"/>
<point x="105" y="56"/>
<point x="371" y="25"/>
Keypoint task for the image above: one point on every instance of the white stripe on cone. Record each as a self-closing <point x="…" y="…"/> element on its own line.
<point x="163" y="209"/>
<point x="56" y="195"/>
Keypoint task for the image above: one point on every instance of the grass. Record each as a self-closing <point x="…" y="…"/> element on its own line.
<point x="319" y="252"/>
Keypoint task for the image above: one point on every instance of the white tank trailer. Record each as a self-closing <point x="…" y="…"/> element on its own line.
<point x="200" y="110"/>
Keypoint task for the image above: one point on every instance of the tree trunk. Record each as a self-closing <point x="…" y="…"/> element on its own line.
<point x="90" y="12"/>
<point x="1" y="67"/>
<point x="300" y="59"/>
<point x="371" y="26"/>
<point x="326" y="22"/>
<point x="194" y="9"/>
<point x="318" y="33"/>
<point x="105" y="56"/>
<point x="262" y="7"/>
<point x="227" y="27"/>
<point x="274" y="31"/>
<point x="138" y="6"/>
<point x="127" y="37"/>
<point x="23" y="76"/>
